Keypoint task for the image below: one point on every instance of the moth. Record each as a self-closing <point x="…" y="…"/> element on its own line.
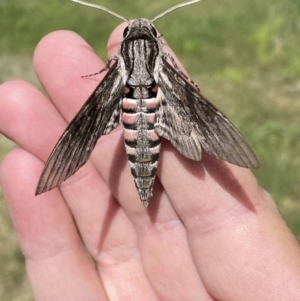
<point x="145" y="90"/>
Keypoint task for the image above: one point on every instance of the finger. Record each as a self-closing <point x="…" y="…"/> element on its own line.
<point x="56" y="261"/>
<point x="67" y="59"/>
<point x="109" y="157"/>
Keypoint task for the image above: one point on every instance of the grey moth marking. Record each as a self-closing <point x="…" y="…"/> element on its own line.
<point x="153" y="99"/>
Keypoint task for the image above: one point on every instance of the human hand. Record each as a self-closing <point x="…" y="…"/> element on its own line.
<point x="210" y="232"/>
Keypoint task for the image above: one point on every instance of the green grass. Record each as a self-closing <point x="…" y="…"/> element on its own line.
<point x="243" y="54"/>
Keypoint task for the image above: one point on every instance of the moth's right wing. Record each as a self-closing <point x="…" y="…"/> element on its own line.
<point x="98" y="116"/>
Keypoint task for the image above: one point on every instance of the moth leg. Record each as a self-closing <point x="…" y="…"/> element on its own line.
<point x="169" y="56"/>
<point x="107" y="67"/>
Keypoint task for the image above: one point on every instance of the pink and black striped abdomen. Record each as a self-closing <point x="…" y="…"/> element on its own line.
<point x="141" y="141"/>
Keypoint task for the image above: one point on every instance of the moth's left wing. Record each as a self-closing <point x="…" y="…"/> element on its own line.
<point x="98" y="116"/>
<point x="187" y="119"/>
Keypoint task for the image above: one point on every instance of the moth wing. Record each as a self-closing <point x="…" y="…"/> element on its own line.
<point x="208" y="125"/>
<point x="178" y="130"/>
<point x="98" y="116"/>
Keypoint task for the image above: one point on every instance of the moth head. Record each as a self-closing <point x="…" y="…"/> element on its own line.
<point x="140" y="28"/>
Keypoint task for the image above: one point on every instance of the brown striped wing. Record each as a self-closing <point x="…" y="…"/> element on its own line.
<point x="96" y="118"/>
<point x="188" y="120"/>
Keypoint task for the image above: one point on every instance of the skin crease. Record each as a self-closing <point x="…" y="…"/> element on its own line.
<point x="209" y="233"/>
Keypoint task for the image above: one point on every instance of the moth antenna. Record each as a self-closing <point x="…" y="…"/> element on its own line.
<point x="173" y="8"/>
<point x="102" y="8"/>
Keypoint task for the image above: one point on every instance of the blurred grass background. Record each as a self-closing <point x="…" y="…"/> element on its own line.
<point x="244" y="55"/>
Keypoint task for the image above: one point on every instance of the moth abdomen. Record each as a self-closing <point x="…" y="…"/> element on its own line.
<point x="142" y="143"/>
